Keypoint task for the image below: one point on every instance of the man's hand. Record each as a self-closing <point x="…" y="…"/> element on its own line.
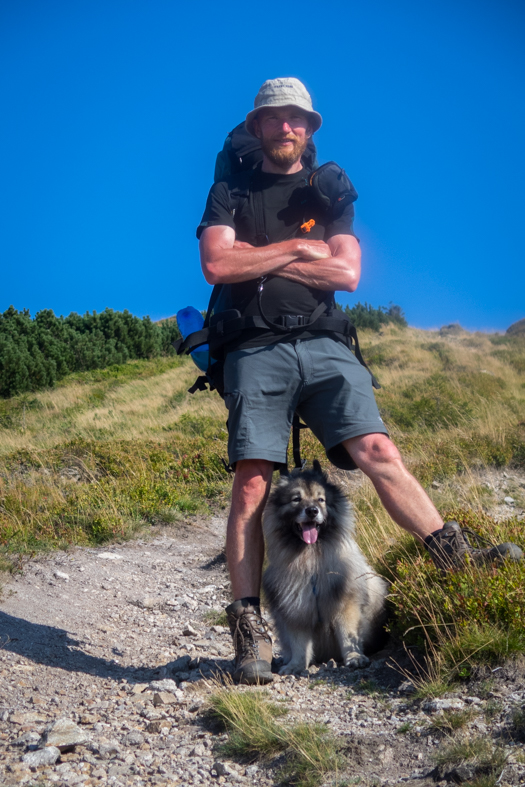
<point x="340" y="270"/>
<point x="313" y="249"/>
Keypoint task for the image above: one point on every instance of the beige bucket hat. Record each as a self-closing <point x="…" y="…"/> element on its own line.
<point x="283" y="92"/>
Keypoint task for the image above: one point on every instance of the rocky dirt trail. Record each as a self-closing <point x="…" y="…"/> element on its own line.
<point x="106" y="657"/>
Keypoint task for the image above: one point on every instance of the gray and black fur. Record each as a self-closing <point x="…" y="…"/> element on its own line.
<point x="325" y="600"/>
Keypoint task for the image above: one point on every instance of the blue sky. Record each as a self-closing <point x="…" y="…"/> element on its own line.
<point x="113" y="112"/>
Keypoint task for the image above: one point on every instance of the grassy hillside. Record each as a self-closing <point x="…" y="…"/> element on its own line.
<point x="109" y="451"/>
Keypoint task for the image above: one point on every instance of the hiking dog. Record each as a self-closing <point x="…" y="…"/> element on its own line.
<point x="325" y="600"/>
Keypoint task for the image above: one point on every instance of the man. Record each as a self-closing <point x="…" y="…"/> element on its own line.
<point x="269" y="375"/>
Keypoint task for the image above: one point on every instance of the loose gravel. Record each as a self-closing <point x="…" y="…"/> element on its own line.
<point x="107" y="661"/>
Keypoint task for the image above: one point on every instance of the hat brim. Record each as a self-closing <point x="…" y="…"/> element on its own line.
<point x="314" y="117"/>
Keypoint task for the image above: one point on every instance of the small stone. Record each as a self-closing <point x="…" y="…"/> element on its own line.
<point x="164" y="698"/>
<point x="223" y="769"/>
<point x="30" y="717"/>
<point x="180" y="664"/>
<point x="89" y="718"/>
<point x="138" y="688"/>
<point x="463" y="773"/>
<point x="134" y="738"/>
<point x="26" y="739"/>
<point x="251" y="770"/>
<point x="509" y="500"/>
<point x="407" y="687"/>
<point x="198" y="751"/>
<point x="109" y="556"/>
<point x="108" y="750"/>
<point x="189" y="631"/>
<point x="434" y="706"/>
<point x="64" y="734"/>
<point x="47" y="756"/>
<point x="61" y="575"/>
<point x="436" y="485"/>
<point x="164" y="685"/>
<point x="473" y="700"/>
<point x="154" y="726"/>
<point x="195" y="706"/>
<point x="331" y="664"/>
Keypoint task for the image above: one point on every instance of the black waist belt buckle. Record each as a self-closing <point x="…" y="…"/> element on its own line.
<point x="291" y="320"/>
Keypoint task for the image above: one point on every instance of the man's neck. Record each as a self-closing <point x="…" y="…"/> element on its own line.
<point x="273" y="169"/>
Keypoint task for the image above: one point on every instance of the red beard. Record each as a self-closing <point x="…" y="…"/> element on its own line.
<point x="284" y="156"/>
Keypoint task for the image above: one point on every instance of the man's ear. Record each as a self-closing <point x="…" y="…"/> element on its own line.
<point x="308" y="132"/>
<point x="256" y="128"/>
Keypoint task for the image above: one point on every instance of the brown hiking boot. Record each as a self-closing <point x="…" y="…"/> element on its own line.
<point x="252" y="643"/>
<point x="450" y="547"/>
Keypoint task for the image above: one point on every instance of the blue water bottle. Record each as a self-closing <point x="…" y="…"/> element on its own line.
<point x="190" y="320"/>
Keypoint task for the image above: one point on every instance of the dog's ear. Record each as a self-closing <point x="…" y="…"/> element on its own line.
<point x="317" y="468"/>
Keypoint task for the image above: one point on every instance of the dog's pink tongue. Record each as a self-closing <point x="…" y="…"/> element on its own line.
<point x="309" y="534"/>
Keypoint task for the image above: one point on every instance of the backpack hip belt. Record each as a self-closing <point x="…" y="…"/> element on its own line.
<point x="226" y="326"/>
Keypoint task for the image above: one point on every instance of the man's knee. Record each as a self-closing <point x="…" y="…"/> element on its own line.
<point x="373" y="451"/>
<point x="252" y="480"/>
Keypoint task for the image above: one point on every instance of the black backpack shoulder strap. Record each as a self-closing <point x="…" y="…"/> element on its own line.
<point x="261" y="234"/>
<point x="239" y="187"/>
<point x="213" y="300"/>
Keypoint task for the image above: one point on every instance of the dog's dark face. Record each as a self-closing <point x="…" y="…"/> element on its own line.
<point x="307" y="506"/>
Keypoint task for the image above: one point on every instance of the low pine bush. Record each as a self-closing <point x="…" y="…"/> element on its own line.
<point x="471" y="616"/>
<point x="368" y="317"/>
<point x="35" y="353"/>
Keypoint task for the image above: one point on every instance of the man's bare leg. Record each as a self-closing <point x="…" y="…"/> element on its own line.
<point x="245" y="554"/>
<point x="403" y="497"/>
<point x="244" y="537"/>
<point x="409" y="505"/>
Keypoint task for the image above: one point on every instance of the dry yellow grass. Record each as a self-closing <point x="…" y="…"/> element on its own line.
<point x="138" y="409"/>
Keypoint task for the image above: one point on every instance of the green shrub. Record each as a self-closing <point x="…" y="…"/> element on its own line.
<point x="122" y="484"/>
<point x="474" y="615"/>
<point x="35" y="353"/>
<point x="366" y="316"/>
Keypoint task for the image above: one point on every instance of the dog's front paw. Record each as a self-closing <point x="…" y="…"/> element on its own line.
<point x="291" y="668"/>
<point x="356" y="661"/>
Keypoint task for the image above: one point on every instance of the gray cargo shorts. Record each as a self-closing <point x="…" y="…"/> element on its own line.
<point x="320" y="378"/>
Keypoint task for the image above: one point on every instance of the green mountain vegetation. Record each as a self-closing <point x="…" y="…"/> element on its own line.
<point x="35" y="353"/>
<point x="109" y="451"/>
<point x="365" y="316"/>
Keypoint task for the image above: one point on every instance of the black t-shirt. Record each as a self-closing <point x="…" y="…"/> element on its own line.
<point x="287" y="203"/>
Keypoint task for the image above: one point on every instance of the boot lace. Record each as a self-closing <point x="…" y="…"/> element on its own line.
<point x="249" y="628"/>
<point x="458" y="539"/>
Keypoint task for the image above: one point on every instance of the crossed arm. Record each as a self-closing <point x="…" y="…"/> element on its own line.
<point x="335" y="265"/>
